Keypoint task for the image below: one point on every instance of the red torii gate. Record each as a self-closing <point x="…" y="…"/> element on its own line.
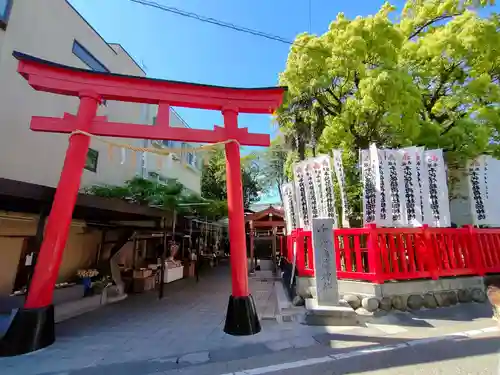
<point x="33" y="326"/>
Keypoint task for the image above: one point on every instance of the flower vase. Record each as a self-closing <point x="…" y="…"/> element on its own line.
<point x="87" y="285"/>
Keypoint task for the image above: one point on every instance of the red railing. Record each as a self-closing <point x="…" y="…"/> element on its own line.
<point x="383" y="254"/>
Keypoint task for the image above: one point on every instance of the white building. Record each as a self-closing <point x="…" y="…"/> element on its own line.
<point x="53" y="30"/>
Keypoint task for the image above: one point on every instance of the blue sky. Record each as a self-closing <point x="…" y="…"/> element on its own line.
<point x="174" y="47"/>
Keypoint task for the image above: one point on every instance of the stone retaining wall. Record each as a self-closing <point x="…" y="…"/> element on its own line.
<point x="403" y="295"/>
<point x="408" y="302"/>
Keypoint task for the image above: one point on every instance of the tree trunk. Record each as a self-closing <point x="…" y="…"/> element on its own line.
<point x="279" y="191"/>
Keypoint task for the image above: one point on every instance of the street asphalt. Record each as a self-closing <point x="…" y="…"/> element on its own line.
<point x="183" y="334"/>
<point x="473" y="356"/>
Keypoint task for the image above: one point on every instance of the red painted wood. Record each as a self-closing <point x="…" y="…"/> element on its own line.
<point x="125" y="130"/>
<point x="347" y="253"/>
<point x="58" y="224"/>
<point x="358" y="254"/>
<point x="338" y="251"/>
<point x="390" y="261"/>
<point x="65" y="80"/>
<point x="273" y="223"/>
<point x="309" y="255"/>
<point x="428" y="247"/>
<point x="238" y="251"/>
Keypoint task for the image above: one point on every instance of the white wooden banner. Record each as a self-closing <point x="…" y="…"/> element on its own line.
<point x="315" y="166"/>
<point x="369" y="189"/>
<point x="385" y="189"/>
<point x="301" y="196"/>
<point x="423" y="183"/>
<point x="479" y="188"/>
<point x="313" y="189"/>
<point x="377" y="159"/>
<point x="493" y="186"/>
<point x="327" y="190"/>
<point x="339" y="173"/>
<point x="483" y="176"/>
<point x="289" y="206"/>
<point x="438" y="188"/>
<point x="319" y="189"/>
<point x="411" y="187"/>
<point x="396" y="186"/>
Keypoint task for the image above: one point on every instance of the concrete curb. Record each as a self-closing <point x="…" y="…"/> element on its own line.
<point x="286" y="311"/>
<point x="362" y="352"/>
<point x="259" y="349"/>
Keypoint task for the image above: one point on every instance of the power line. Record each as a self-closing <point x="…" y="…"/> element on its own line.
<point x="213" y="21"/>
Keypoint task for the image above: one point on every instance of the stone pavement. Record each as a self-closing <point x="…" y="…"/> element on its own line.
<point x="184" y="327"/>
<point x="142" y="335"/>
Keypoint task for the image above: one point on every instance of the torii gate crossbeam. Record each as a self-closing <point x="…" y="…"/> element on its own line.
<point x="33" y="325"/>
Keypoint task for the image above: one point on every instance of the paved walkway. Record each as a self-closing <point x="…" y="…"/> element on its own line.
<point x="183" y="327"/>
<point x="143" y="335"/>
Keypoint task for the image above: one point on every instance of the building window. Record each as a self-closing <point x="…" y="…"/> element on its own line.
<point x="169" y="144"/>
<point x="87" y="58"/>
<point x="5" y="7"/>
<point x="92" y="158"/>
<point x="191" y="159"/>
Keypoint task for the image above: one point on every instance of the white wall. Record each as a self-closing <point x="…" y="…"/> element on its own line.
<point x="176" y="166"/>
<point x="47" y="29"/>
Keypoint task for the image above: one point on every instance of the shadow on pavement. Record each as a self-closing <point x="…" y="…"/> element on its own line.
<point x="433" y="318"/>
<point x="428" y="353"/>
<point x="423" y="354"/>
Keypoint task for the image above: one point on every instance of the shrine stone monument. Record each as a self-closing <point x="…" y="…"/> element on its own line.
<point x="326" y="308"/>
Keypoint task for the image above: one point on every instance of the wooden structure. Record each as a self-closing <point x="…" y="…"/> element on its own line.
<point x="265" y="226"/>
<point x="32" y="327"/>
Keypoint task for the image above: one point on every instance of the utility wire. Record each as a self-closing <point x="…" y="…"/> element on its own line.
<point x="213" y="21"/>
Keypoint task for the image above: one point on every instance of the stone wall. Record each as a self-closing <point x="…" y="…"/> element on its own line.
<point x="404" y="295"/>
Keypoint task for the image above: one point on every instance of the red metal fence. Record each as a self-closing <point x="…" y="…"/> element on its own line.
<point x="383" y="254"/>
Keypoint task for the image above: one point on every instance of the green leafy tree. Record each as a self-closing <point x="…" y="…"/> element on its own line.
<point x="272" y="165"/>
<point x="213" y="181"/>
<point x="170" y="196"/>
<point x="429" y="77"/>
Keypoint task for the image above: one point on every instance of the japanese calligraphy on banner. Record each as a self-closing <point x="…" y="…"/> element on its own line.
<point x="312" y="191"/>
<point x="484" y="180"/>
<point x="438" y="189"/>
<point x="412" y="188"/>
<point x="318" y="186"/>
<point x="423" y="187"/>
<point x="378" y="166"/>
<point x="339" y="173"/>
<point x="395" y="180"/>
<point x="385" y="188"/>
<point x="477" y="190"/>
<point x="303" y="216"/>
<point x="327" y="191"/>
<point x="289" y="206"/>
<point x="491" y="180"/>
<point x="369" y="189"/>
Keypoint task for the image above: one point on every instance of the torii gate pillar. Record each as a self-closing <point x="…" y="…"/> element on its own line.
<point x="241" y="317"/>
<point x="32" y="327"/>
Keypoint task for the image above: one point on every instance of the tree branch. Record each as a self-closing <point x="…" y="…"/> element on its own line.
<point x="421" y="28"/>
<point x="356" y="80"/>
<point x="453" y="124"/>
<point x="327" y="107"/>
